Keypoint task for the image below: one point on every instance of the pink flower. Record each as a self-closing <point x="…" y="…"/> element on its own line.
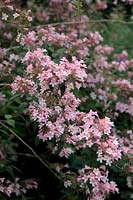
<point x="67" y="183"/>
<point x="66" y="152"/>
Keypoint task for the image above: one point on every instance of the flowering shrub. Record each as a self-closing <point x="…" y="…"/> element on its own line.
<point x="67" y="88"/>
<point x="55" y="110"/>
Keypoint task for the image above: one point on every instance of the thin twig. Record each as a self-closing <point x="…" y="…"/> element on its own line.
<point x="13" y="47"/>
<point x="90" y="21"/>
<point x="73" y="22"/>
<point x="122" y="47"/>
<point x="5" y="84"/>
<point x="45" y="163"/>
<point x="24" y="154"/>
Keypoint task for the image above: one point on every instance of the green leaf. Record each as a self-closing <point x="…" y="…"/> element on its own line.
<point x="76" y="162"/>
<point x="58" y="52"/>
<point x="22" y="107"/>
<point x="6" y="134"/>
<point x="11" y="122"/>
<point x="10" y="171"/>
<point x="37" y="141"/>
<point x="8" y="116"/>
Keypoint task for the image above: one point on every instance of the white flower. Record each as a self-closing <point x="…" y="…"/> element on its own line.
<point x="29" y="18"/>
<point x="15" y="15"/>
<point x="13" y="57"/>
<point x="4" y="16"/>
<point x="67" y="183"/>
<point x="93" y="95"/>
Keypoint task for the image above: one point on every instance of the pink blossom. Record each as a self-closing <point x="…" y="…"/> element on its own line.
<point x="66" y="152"/>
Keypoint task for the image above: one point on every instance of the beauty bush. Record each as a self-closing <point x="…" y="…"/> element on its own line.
<point x="74" y="88"/>
<point x="55" y="108"/>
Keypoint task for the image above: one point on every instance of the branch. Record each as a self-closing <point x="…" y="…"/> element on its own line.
<point x="24" y="154"/>
<point x="45" y="163"/>
<point x="73" y="22"/>
<point x="5" y="84"/>
<point x="89" y="21"/>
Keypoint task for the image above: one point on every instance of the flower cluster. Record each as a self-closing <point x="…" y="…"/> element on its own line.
<point x="65" y="73"/>
<point x="56" y="108"/>
<point x="98" y="178"/>
<point x="7" y="187"/>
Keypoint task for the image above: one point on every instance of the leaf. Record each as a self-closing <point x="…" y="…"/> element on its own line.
<point x="11" y="122"/>
<point x="37" y="141"/>
<point x="6" y="134"/>
<point x="76" y="162"/>
<point x="58" y="52"/>
<point x="51" y="48"/>
<point x="10" y="171"/>
<point x="8" y="116"/>
<point x="22" y="107"/>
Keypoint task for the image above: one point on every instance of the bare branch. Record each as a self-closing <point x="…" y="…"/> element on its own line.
<point x="72" y="23"/>
<point x="45" y="163"/>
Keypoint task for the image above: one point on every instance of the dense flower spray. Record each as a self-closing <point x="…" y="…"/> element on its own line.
<point x="50" y="70"/>
<point x="55" y="108"/>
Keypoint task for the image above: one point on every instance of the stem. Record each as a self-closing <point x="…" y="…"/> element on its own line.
<point x="45" y="163"/>
<point x="5" y="84"/>
<point x="74" y="22"/>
